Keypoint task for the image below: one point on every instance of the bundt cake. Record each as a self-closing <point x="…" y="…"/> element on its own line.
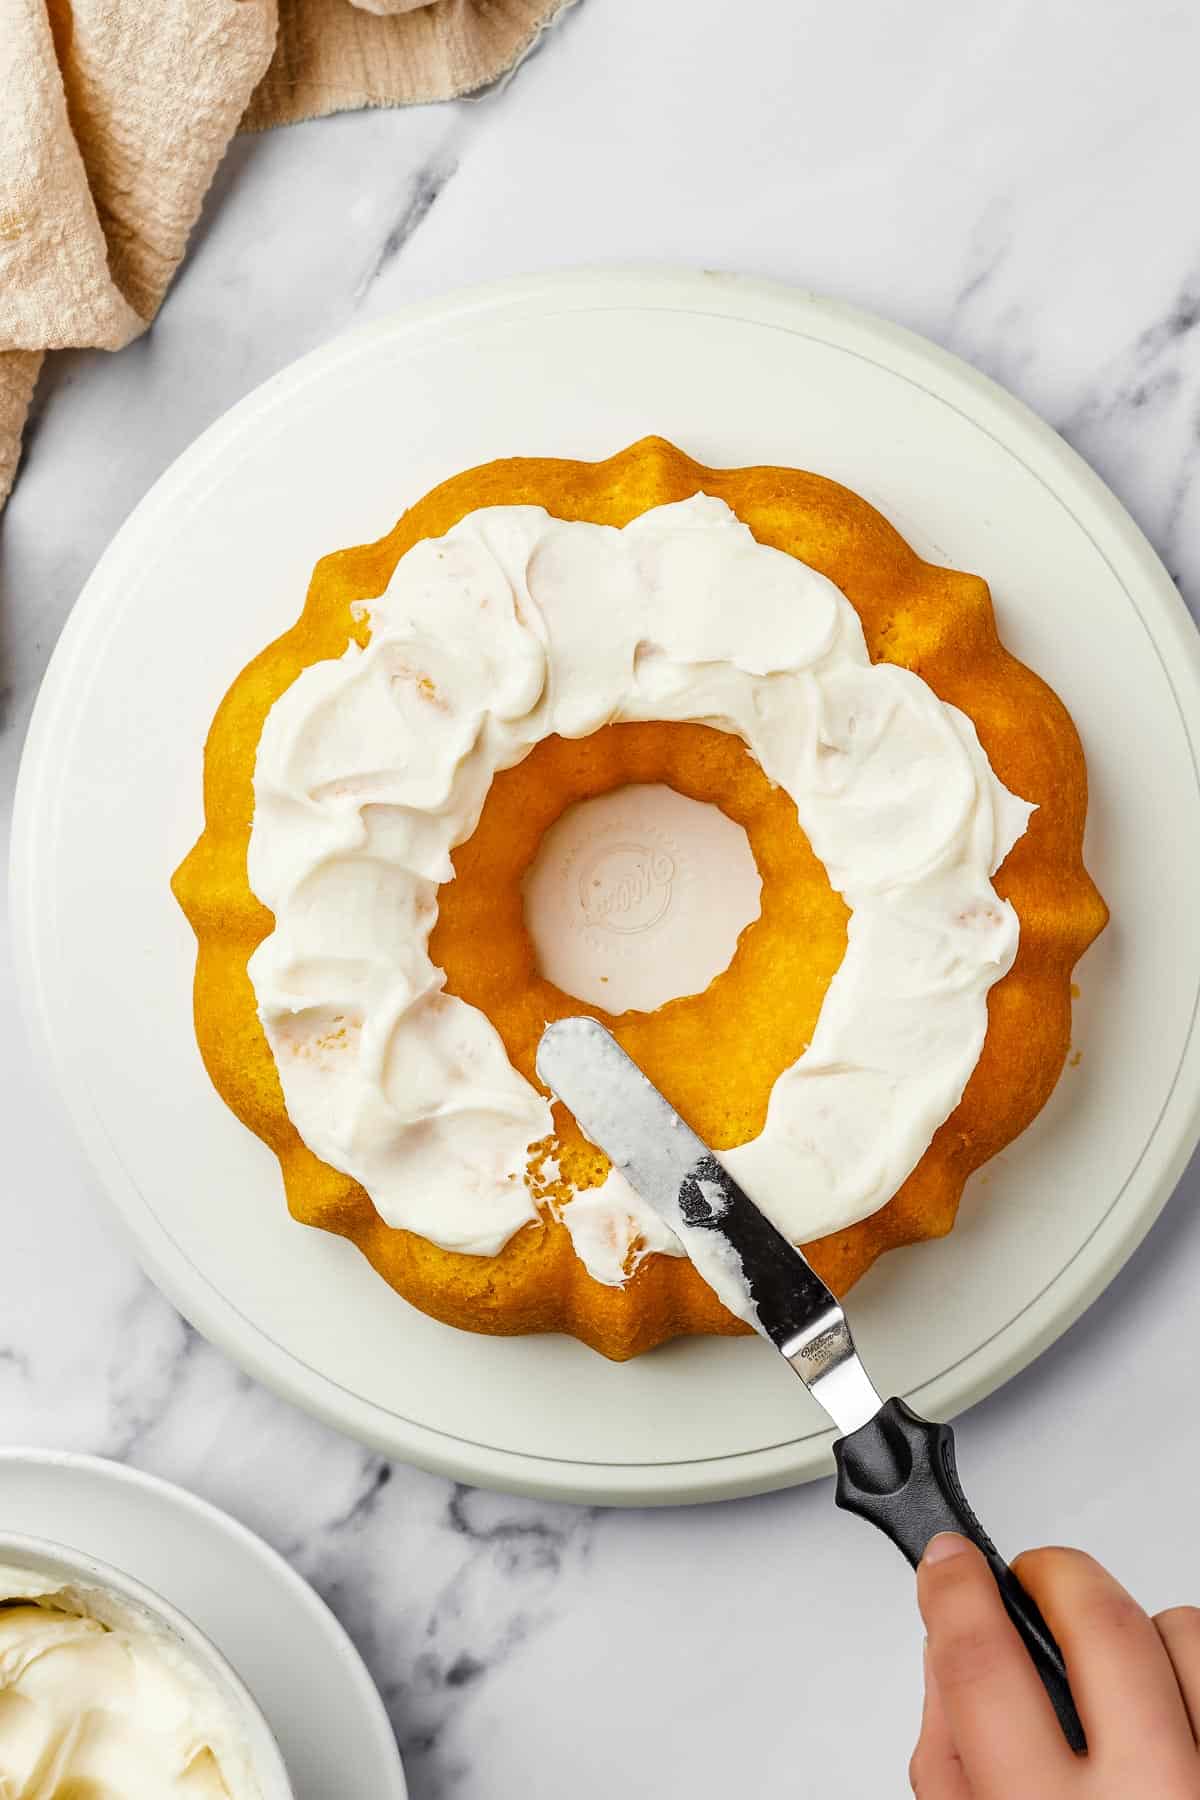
<point x="535" y="633"/>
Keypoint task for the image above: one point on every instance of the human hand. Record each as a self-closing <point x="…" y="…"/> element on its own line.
<point x="988" y="1731"/>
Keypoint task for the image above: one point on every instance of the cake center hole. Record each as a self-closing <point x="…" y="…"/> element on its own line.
<point x="639" y="896"/>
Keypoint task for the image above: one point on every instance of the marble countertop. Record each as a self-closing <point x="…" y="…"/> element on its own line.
<point x="1000" y="179"/>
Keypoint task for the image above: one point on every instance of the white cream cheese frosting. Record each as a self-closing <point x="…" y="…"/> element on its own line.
<point x="105" y="1706"/>
<point x="516" y="625"/>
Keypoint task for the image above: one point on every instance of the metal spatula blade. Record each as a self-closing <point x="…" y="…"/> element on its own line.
<point x="752" y="1267"/>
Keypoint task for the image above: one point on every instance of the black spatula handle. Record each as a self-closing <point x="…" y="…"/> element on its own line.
<point x="899" y="1472"/>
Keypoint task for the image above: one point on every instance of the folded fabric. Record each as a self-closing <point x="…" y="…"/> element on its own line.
<point x="116" y="115"/>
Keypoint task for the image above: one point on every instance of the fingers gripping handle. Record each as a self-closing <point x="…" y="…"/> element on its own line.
<point x="899" y="1472"/>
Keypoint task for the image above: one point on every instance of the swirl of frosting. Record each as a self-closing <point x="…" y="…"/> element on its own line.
<point x="105" y="1707"/>
<point x="372" y="767"/>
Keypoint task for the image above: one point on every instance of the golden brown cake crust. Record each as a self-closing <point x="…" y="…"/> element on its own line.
<point x="937" y="622"/>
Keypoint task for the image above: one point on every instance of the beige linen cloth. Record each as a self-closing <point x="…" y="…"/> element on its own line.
<point x="115" y="113"/>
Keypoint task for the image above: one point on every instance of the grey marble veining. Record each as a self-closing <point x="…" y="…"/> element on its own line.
<point x="1009" y="181"/>
<point x="424" y="189"/>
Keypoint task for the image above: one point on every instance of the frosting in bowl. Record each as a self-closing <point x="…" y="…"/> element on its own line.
<point x="515" y="625"/>
<point x="95" y="1700"/>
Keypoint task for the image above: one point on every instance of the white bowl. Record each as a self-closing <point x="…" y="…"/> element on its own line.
<point x="129" y="1601"/>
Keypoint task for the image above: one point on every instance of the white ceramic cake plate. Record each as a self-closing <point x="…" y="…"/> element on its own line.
<point x="214" y="563"/>
<point x="283" y="1641"/>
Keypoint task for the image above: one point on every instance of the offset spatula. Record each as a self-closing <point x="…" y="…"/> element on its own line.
<point x="893" y="1467"/>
